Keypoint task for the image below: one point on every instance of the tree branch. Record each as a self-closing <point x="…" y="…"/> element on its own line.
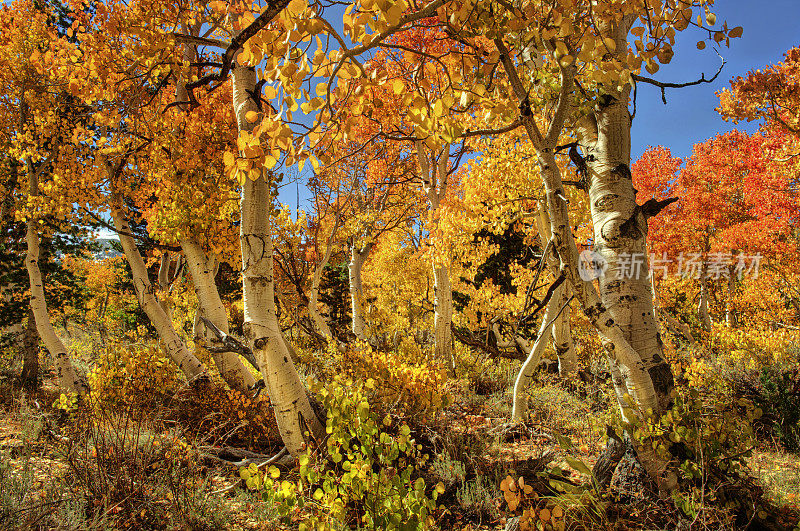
<point x="664" y="85"/>
<point x="236" y="43"/>
<point x="230" y="344"/>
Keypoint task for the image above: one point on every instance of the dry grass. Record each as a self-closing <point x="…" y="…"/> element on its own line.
<point x="779" y="472"/>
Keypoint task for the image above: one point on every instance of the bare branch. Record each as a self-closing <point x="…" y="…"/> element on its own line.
<point x="664" y="85"/>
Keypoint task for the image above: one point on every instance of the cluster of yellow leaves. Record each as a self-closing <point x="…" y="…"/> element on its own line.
<point x="415" y="388"/>
<point x="136" y="374"/>
<point x="754" y="349"/>
<point x="398" y="277"/>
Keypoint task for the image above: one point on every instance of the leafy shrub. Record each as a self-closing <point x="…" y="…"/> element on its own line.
<point x="405" y="384"/>
<point x="754" y="348"/>
<point x="137" y="374"/>
<point x="365" y="474"/>
<point x="478" y="495"/>
<point x="130" y="474"/>
<point x="710" y="437"/>
<point x="218" y="415"/>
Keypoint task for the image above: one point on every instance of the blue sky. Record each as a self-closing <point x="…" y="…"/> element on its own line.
<point x="770" y="28"/>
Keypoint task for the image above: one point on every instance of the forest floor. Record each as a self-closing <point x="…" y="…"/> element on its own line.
<point x="140" y="477"/>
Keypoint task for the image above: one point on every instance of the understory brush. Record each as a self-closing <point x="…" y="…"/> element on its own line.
<point x="84" y="467"/>
<point x="365" y="474"/>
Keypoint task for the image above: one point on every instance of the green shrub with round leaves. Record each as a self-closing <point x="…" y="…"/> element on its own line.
<point x="365" y="473"/>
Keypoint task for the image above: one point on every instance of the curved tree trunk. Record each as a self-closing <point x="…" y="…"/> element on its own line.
<point x="644" y="375"/>
<point x="620" y="230"/>
<point x="520" y="404"/>
<point x="357" y="258"/>
<point x="320" y="325"/>
<point x="562" y="334"/>
<point x="164" y="282"/>
<point x="175" y="347"/>
<point x="291" y="405"/>
<point x="67" y="377"/>
<point x="202" y="268"/>
<point x="730" y="304"/>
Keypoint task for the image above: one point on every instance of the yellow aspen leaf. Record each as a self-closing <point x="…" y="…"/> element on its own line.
<point x="251" y="116"/>
<point x="296" y="7"/>
<point x="270" y="92"/>
<point x="544" y="515"/>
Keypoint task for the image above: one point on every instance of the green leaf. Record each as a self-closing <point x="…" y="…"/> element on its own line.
<point x="578" y="465"/>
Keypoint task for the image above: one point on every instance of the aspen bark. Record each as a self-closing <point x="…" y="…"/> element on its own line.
<point x="164" y="282"/>
<point x="174" y="346"/>
<point x="562" y="334"/>
<point x="68" y="379"/>
<point x="291" y="405"/>
<point x="730" y="304"/>
<point x="625" y="359"/>
<point x="358" y="256"/>
<point x="443" y="315"/>
<point x="620" y="230"/>
<point x="320" y="324"/>
<point x="525" y="375"/>
<point x="562" y="339"/>
<point x="202" y="268"/>
<point x="605" y="135"/>
<point x="434" y="182"/>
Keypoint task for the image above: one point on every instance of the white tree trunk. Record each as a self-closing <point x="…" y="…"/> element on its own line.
<point x="562" y="339"/>
<point x="434" y="178"/>
<point x="644" y="375"/>
<point x="730" y="304"/>
<point x="562" y="334"/>
<point x="357" y="258"/>
<point x="163" y="283"/>
<point x="320" y="325"/>
<point x="291" y="405"/>
<point x="202" y="269"/>
<point x="30" y="354"/>
<point x="520" y="404"/>
<point x="68" y="379"/>
<point x="620" y="231"/>
<point x="175" y="347"/>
